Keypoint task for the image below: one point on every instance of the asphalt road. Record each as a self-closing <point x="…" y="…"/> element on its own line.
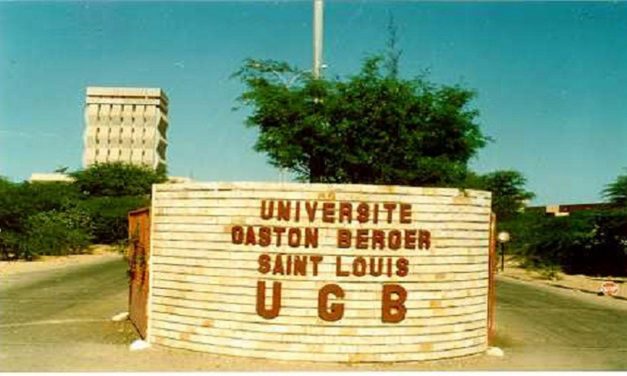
<point x="59" y="320"/>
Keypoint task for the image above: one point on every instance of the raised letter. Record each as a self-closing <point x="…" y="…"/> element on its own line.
<point x="405" y="213"/>
<point x="315" y="259"/>
<point x="264" y="263"/>
<point x="278" y="231"/>
<point x="265" y="236"/>
<point x="390" y="206"/>
<point x="310" y="207"/>
<point x="261" y="300"/>
<point x="283" y="210"/>
<point x="424" y="239"/>
<point x="388" y="304"/>
<point x="394" y="239"/>
<point x="345" y="212"/>
<point x="343" y="238"/>
<point x="361" y="239"/>
<point x="378" y="239"/>
<point x="335" y="311"/>
<point x="250" y="236"/>
<point x="363" y="212"/>
<point x="338" y="267"/>
<point x="293" y="237"/>
<point x="328" y="212"/>
<point x="300" y="265"/>
<point x="237" y="234"/>
<point x="359" y="266"/>
<point x="311" y="237"/>
<point x="410" y="239"/>
<point x="266" y="209"/>
<point x="278" y="265"/>
<point x="402" y="267"/>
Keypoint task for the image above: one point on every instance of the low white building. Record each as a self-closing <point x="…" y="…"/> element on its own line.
<point x="50" y="177"/>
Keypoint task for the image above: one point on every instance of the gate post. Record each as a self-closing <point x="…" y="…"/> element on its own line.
<point x="491" y="282"/>
<point x="138" y="256"/>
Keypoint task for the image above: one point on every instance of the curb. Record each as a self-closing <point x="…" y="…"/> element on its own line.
<point x="561" y="286"/>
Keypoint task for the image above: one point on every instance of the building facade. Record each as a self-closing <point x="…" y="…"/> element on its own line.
<point x="50" y="177"/>
<point x="126" y="125"/>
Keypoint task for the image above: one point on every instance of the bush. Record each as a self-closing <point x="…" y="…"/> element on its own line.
<point x="11" y="245"/>
<point x="19" y="201"/>
<point x="550" y="272"/>
<point x="60" y="218"/>
<point x="586" y="242"/>
<point x="57" y="233"/>
<point x="117" y="179"/>
<point x="110" y="216"/>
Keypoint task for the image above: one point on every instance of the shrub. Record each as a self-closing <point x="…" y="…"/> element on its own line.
<point x="57" y="233"/>
<point x="11" y="245"/>
<point x="616" y="192"/>
<point x="110" y="216"/>
<point x="593" y="243"/>
<point x="117" y="179"/>
<point x="550" y="272"/>
<point x="61" y="218"/>
<point x="18" y="201"/>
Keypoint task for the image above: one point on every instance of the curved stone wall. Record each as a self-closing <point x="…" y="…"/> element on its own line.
<point x="315" y="272"/>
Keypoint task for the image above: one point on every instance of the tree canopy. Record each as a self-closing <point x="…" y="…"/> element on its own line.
<point x="373" y="127"/>
<point x="117" y="179"/>
<point x="616" y="192"/>
<point x="64" y="217"/>
<point x="508" y="191"/>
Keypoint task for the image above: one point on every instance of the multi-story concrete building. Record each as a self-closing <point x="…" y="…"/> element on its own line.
<point x="50" y="177"/>
<point x="126" y="125"/>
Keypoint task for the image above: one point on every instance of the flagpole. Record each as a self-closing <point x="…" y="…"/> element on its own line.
<point x="318" y="21"/>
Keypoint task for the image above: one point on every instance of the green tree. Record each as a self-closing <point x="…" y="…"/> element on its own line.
<point x="18" y="201"/>
<point x="21" y="202"/>
<point x="616" y="192"/>
<point x="508" y="192"/>
<point x="110" y="216"/>
<point x="57" y="232"/>
<point x="117" y="179"/>
<point x="373" y="127"/>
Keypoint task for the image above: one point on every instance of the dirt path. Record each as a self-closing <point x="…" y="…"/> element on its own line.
<point x="58" y="319"/>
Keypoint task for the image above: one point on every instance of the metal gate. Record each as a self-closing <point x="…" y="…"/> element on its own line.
<point x="138" y="255"/>
<point x="492" y="263"/>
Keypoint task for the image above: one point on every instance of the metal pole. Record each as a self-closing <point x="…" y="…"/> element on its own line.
<point x="318" y="13"/>
<point x="502" y="256"/>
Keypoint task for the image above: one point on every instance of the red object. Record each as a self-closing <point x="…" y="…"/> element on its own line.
<point x="138" y="256"/>
<point x="609" y="288"/>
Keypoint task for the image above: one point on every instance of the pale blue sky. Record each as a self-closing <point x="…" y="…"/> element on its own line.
<point x="551" y="78"/>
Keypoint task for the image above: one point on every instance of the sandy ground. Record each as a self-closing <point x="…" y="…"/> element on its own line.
<point x="56" y="316"/>
<point x="577" y="282"/>
<point x="95" y="254"/>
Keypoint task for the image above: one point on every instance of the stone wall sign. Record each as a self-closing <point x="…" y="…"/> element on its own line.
<point x="320" y="272"/>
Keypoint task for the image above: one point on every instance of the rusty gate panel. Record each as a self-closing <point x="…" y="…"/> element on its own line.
<point x="138" y="255"/>
<point x="491" y="281"/>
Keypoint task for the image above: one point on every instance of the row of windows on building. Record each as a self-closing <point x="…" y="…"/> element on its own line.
<point x="120" y="130"/>
<point x="135" y="120"/>
<point x="133" y="107"/>
<point x="108" y="153"/>
<point x="132" y="142"/>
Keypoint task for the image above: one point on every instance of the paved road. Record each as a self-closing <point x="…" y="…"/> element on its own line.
<point x="60" y="320"/>
<point x="543" y="327"/>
